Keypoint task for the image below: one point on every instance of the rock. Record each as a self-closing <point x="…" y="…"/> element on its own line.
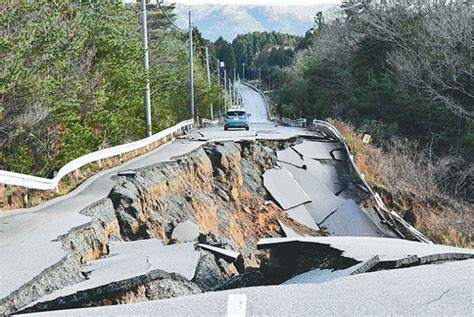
<point x="252" y="277"/>
<point x="284" y="188"/>
<point x="222" y="194"/>
<point x="208" y="274"/>
<point x="185" y="231"/>
<point x="227" y="268"/>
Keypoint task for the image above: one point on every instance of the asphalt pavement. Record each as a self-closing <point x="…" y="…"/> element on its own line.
<point x="29" y="245"/>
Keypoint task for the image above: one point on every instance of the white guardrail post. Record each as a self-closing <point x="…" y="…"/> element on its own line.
<point x="417" y="234"/>
<point x="34" y="182"/>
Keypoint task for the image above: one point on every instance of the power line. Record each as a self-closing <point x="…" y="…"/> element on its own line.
<point x="168" y="18"/>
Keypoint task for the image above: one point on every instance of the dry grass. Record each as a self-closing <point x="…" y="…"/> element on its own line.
<point x="412" y="184"/>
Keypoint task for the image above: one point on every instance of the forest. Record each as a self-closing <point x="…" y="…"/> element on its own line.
<point x="72" y="79"/>
<point x="75" y="83"/>
<point x="402" y="73"/>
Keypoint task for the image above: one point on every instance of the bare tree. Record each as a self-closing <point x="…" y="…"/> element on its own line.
<point x="433" y="45"/>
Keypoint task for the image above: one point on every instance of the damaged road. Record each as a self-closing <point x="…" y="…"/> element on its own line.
<point x="261" y="213"/>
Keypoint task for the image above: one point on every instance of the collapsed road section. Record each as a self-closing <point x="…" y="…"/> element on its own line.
<point x="213" y="213"/>
<point x="192" y="224"/>
<point x="213" y="195"/>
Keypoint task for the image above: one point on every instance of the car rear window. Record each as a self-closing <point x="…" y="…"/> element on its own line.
<point x="235" y="113"/>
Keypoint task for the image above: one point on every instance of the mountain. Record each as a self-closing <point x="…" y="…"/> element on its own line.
<point x="230" y="20"/>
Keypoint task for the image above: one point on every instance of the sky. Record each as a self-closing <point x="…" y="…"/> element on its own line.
<point x="259" y="2"/>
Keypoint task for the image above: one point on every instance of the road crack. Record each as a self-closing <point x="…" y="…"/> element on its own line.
<point x="440" y="296"/>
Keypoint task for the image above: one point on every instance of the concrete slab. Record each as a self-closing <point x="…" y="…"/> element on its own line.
<point x="323" y="201"/>
<point x="185" y="231"/>
<point x="290" y="156"/>
<point x="328" y="173"/>
<point x="284" y="188"/>
<point x="288" y="231"/>
<point x="228" y="255"/>
<point x="316" y="150"/>
<point x="350" y="220"/>
<point x="364" y="248"/>
<point x="325" y="275"/>
<point x="422" y="290"/>
<point x="131" y="259"/>
<point x="301" y="215"/>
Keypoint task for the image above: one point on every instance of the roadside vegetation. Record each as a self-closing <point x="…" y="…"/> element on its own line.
<point x="403" y="74"/>
<point x="72" y="79"/>
<point x="413" y="184"/>
<point x="397" y="72"/>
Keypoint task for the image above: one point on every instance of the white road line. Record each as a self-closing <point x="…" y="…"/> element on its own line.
<point x="236" y="305"/>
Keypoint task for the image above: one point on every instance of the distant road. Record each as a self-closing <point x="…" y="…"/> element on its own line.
<point x="254" y="104"/>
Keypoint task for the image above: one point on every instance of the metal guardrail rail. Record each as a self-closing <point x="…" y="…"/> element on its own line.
<point x="35" y="182"/>
<point x="380" y="204"/>
<point x="264" y="99"/>
<point x="302" y="123"/>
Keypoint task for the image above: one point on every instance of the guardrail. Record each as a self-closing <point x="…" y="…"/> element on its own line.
<point x="378" y="200"/>
<point x="301" y="123"/>
<point x="264" y="99"/>
<point x="34" y="182"/>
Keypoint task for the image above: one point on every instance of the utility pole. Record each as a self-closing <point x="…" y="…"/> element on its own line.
<point x="146" y="66"/>
<point x="209" y="79"/>
<point x="225" y="90"/>
<point x="218" y="73"/>
<point x="235" y="91"/>
<point x="243" y="71"/>
<point x="239" y="99"/>
<point x="207" y="67"/>
<point x="230" y="92"/>
<point x="191" y="68"/>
